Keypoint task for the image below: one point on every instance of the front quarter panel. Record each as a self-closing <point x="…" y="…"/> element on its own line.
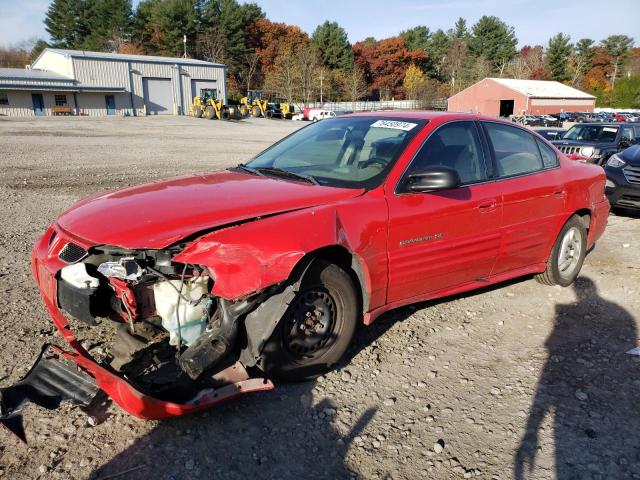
<point x="250" y="257"/>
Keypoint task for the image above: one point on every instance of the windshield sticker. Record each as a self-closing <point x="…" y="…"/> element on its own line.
<point x="609" y="129"/>
<point x="406" y="126"/>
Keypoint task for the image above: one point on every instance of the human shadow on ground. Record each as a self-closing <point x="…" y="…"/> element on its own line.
<point x="590" y="385"/>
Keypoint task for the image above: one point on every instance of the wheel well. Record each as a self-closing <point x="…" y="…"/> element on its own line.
<point x="585" y="216"/>
<point x="344" y="259"/>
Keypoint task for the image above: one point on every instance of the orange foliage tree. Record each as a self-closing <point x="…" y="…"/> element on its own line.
<point x="384" y="64"/>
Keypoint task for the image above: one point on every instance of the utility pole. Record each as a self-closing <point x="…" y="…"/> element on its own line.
<point x="184" y="42"/>
<point x="321" y="79"/>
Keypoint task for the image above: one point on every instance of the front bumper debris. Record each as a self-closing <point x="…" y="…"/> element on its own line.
<point x="92" y="376"/>
<point x="51" y="380"/>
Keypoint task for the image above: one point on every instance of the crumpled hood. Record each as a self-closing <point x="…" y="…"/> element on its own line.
<point x="158" y="214"/>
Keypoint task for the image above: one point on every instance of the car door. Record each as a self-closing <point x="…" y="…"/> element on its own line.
<point x="444" y="238"/>
<point x="533" y="194"/>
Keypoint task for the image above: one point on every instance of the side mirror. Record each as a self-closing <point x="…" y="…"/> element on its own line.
<point x="431" y="179"/>
<point x="625" y="143"/>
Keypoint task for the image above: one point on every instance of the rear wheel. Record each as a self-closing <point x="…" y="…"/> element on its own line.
<point x="197" y="111"/>
<point x="209" y="113"/>
<point x="255" y="111"/>
<point x="317" y="327"/>
<point x="567" y="255"/>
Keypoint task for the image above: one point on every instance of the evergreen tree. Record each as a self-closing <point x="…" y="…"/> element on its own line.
<point x="494" y="40"/>
<point x="416" y="37"/>
<point x="459" y="30"/>
<point x="333" y="46"/>
<point x="618" y="47"/>
<point x="110" y="24"/>
<point x="436" y="48"/>
<point x="66" y="21"/>
<point x="558" y="55"/>
<point x="37" y="49"/>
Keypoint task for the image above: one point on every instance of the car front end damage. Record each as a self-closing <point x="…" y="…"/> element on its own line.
<point x="146" y="329"/>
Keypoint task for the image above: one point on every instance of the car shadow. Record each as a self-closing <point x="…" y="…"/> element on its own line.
<point x="589" y="387"/>
<point x="282" y="434"/>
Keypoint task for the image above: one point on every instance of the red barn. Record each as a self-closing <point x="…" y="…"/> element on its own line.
<point x="507" y="96"/>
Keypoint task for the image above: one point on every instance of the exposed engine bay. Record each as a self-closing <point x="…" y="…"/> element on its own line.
<point x="154" y="321"/>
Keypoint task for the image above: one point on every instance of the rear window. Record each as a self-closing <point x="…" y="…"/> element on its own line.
<point x="515" y="150"/>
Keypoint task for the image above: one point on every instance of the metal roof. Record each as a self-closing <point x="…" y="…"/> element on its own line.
<point x="59" y="88"/>
<point x="130" y="58"/>
<point x="32" y="74"/>
<point x="542" y="88"/>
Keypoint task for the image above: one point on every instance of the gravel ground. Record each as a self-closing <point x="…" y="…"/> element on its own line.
<point x="520" y="380"/>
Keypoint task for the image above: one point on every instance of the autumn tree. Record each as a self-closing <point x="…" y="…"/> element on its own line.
<point x="355" y="85"/>
<point x="332" y="45"/>
<point x="384" y="64"/>
<point x="494" y="40"/>
<point x="414" y="80"/>
<point x="580" y="61"/>
<point x="558" y="54"/>
<point x="456" y="64"/>
<point x="212" y="45"/>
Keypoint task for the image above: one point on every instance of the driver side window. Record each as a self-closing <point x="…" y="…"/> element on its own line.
<point x="455" y="145"/>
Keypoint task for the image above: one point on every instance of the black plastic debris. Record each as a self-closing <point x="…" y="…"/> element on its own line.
<point x="51" y="380"/>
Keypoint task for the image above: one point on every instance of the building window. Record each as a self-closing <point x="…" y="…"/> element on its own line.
<point x="4" y="98"/>
<point x="61" y="100"/>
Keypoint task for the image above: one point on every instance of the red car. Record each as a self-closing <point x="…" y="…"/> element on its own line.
<point x="204" y="287"/>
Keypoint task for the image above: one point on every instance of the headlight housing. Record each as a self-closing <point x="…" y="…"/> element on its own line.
<point x="615" y="161"/>
<point x="587" y="151"/>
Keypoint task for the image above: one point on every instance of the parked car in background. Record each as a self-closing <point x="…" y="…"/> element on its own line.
<point x="596" y="142"/>
<point x="623" y="178"/>
<point x="550" y="121"/>
<point x="319" y="114"/>
<point x="208" y="286"/>
<point x="550" y="133"/>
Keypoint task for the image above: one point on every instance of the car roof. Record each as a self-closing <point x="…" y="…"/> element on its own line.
<point x="425" y="115"/>
<point x="605" y="124"/>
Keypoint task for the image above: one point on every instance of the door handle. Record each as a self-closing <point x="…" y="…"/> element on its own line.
<point x="488" y="205"/>
<point x="560" y="193"/>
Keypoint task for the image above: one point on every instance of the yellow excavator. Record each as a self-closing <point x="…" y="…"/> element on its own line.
<point x="208" y="106"/>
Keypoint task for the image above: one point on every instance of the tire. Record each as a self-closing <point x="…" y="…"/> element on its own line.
<point x="255" y="111"/>
<point x="209" y="113"/>
<point x="244" y="111"/>
<point x="197" y="111"/>
<point x="294" y="353"/>
<point x="567" y="255"/>
<point x="226" y="115"/>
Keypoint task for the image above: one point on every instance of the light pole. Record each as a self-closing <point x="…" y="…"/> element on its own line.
<point x="321" y="79"/>
<point x="184" y="42"/>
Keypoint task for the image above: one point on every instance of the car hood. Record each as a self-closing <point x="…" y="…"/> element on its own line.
<point x="631" y="156"/>
<point x="581" y="143"/>
<point x="159" y="214"/>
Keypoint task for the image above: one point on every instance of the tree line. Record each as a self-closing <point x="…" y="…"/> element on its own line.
<point x="287" y="62"/>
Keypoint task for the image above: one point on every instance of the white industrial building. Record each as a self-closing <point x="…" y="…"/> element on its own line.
<point x="95" y="83"/>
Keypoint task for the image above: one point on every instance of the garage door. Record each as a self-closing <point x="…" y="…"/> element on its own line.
<point x="197" y="85"/>
<point x="158" y="96"/>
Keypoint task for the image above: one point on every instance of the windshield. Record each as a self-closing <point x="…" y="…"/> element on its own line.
<point x="592" y="133"/>
<point x="351" y="152"/>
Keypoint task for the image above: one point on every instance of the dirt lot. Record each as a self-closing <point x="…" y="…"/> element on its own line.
<point x="521" y="378"/>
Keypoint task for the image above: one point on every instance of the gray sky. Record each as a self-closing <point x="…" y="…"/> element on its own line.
<point x="534" y="21"/>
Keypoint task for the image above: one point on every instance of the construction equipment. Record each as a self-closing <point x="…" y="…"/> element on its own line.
<point x="253" y="104"/>
<point x="207" y="105"/>
<point x="287" y="109"/>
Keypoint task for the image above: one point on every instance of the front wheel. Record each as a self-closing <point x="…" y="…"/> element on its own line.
<point x="316" y="329"/>
<point x="567" y="255"/>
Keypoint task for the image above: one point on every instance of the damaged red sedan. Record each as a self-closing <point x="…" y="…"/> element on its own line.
<point x="179" y="294"/>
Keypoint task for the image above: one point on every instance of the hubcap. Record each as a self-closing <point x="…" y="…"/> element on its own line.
<point x="310" y="323"/>
<point x="570" y="251"/>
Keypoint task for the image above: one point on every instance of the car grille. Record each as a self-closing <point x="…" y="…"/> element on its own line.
<point x="569" y="149"/>
<point x="632" y="174"/>
<point x="72" y="253"/>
